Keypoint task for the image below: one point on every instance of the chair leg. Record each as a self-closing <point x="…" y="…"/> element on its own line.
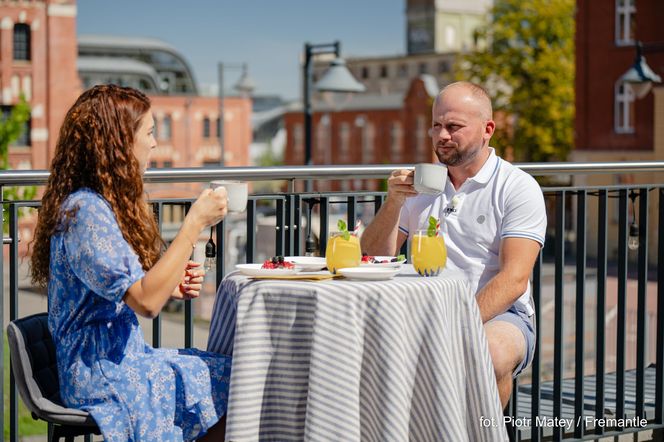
<point x="51" y="433"/>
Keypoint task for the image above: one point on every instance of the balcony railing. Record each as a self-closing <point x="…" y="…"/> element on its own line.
<point x="599" y="305"/>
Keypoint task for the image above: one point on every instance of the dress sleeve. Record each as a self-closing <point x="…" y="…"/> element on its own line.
<point x="97" y="252"/>
<point x="525" y="211"/>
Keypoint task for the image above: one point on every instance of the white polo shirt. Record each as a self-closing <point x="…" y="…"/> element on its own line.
<point x="500" y="201"/>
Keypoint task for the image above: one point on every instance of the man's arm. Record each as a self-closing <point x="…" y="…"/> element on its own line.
<point x="382" y="235"/>
<point x="517" y="258"/>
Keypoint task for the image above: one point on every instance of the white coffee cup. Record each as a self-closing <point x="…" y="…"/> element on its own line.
<point x="430" y="178"/>
<point x="237" y="193"/>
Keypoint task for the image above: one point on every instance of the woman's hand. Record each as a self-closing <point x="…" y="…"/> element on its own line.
<point x="192" y="282"/>
<point x="210" y="207"/>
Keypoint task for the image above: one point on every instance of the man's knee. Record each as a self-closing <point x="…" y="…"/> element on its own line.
<point x="507" y="347"/>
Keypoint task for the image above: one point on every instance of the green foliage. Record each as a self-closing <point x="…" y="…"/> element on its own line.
<point x="11" y="127"/>
<point x="527" y="65"/>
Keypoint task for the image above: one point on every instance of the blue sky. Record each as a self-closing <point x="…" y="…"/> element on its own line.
<point x="268" y="35"/>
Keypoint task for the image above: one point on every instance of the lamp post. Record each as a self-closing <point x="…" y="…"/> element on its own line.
<point x="336" y="79"/>
<point x="640" y="76"/>
<point x="244" y="85"/>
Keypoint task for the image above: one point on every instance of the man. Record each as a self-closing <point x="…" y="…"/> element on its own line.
<point x="492" y="217"/>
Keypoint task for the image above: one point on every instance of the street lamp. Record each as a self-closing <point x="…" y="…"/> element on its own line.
<point x="336" y="79"/>
<point x="640" y="76"/>
<point x="244" y="85"/>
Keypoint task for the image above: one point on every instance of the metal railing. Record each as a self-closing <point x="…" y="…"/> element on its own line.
<point x="574" y="375"/>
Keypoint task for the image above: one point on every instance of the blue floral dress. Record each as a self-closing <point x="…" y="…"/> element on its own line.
<point x="133" y="391"/>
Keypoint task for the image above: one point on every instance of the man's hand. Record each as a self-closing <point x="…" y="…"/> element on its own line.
<point x="400" y="186"/>
<point x="192" y="282"/>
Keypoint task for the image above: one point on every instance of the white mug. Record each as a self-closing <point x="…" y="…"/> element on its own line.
<point x="237" y="193"/>
<point x="430" y="178"/>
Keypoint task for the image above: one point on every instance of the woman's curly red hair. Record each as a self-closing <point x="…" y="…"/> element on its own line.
<point x="95" y="149"/>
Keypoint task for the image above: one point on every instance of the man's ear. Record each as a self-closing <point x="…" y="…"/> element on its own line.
<point x="489" y="129"/>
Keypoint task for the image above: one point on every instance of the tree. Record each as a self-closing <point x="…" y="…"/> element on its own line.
<point x="527" y="65"/>
<point x="12" y="126"/>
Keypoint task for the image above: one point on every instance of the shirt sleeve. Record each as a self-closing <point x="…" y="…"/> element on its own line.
<point x="97" y="252"/>
<point x="404" y="218"/>
<point x="525" y="211"/>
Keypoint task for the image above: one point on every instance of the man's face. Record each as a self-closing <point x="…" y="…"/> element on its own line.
<point x="458" y="130"/>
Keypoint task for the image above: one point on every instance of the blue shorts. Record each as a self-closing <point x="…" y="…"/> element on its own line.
<point x="516" y="316"/>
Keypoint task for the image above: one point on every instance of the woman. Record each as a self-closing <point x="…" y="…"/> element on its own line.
<point x="97" y="248"/>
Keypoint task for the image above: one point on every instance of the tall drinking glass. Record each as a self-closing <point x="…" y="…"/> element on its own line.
<point x="428" y="254"/>
<point x="341" y="252"/>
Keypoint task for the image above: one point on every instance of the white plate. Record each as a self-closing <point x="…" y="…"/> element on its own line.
<point x="369" y="273"/>
<point x="256" y="270"/>
<point x="307" y="263"/>
<point x="389" y="264"/>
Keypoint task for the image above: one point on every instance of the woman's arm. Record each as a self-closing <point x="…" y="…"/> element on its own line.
<point x="149" y="295"/>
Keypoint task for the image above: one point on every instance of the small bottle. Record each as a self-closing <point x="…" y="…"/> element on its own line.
<point x="210" y="255"/>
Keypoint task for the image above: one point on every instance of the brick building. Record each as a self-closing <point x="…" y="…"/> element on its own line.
<point x="612" y="123"/>
<point x="41" y="58"/>
<point x="366" y="129"/>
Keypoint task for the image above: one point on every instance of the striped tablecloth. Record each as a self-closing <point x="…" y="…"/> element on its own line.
<point x="397" y="360"/>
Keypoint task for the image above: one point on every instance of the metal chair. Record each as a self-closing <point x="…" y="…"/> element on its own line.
<point x="36" y="374"/>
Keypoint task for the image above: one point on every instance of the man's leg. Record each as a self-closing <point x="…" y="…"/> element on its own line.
<point x="507" y="346"/>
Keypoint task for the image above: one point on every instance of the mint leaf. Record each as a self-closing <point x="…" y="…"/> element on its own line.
<point x="433" y="223"/>
<point x="401" y="258"/>
<point x="343" y="229"/>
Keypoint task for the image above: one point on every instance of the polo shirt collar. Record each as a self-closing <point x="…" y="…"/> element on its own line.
<point x="488" y="169"/>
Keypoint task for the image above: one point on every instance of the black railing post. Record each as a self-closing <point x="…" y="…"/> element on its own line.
<point x="13" y="314"/>
<point x="580" y="311"/>
<point x="324" y="223"/>
<point x="188" y="313"/>
<point x="535" y="395"/>
<point x="621" y="304"/>
<point x="280" y="228"/>
<point x="600" y="342"/>
<point x="251" y="231"/>
<point x="157" y="209"/>
<point x="559" y="280"/>
<point x="659" y="370"/>
<point x="642" y="303"/>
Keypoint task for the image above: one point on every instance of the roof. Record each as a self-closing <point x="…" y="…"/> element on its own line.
<point x="114" y="64"/>
<point x="356" y="102"/>
<point x="115" y="41"/>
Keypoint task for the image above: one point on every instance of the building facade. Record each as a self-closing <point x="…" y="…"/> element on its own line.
<point x="38" y="61"/>
<point x="367" y="129"/>
<point x="612" y="123"/>
<point x="41" y="59"/>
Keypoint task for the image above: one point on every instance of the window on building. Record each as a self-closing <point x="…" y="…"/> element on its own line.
<point x="211" y="163"/>
<point x="365" y="72"/>
<point x="24" y="138"/>
<point x="443" y="67"/>
<point x="153" y="164"/>
<point x="168" y="164"/>
<point x="298" y="140"/>
<point x="625" y="21"/>
<point x="206" y="127"/>
<point x="367" y="136"/>
<point x="395" y="142"/>
<point x="166" y="128"/>
<point x="403" y="71"/>
<point x="344" y="142"/>
<point x="423" y="68"/>
<point x="21" y="42"/>
<point x="383" y="71"/>
<point x="218" y="127"/>
<point x="624" y="108"/>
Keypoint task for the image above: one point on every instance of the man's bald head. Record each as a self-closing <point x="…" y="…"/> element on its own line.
<point x="472" y="93"/>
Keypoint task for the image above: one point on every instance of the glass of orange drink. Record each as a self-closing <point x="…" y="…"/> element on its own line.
<point x="428" y="253"/>
<point x="341" y="252"/>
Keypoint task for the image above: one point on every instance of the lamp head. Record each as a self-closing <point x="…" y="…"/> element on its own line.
<point x="339" y="79"/>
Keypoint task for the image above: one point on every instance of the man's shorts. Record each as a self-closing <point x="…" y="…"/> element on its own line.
<point x="516" y="316"/>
